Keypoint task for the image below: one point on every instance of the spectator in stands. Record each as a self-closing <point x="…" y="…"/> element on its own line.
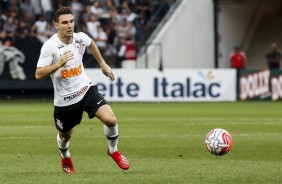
<point x="92" y="25"/>
<point x="14" y="13"/>
<point x="96" y="8"/>
<point x="114" y="16"/>
<point x="140" y="24"/>
<point x="105" y="17"/>
<point x="77" y="9"/>
<point x="36" y="5"/>
<point x="144" y="6"/>
<point x="4" y="39"/>
<point x="3" y="18"/>
<point x="86" y="14"/>
<point x="131" y="16"/>
<point x="85" y="30"/>
<point x="10" y="27"/>
<point x="61" y="3"/>
<point x="273" y="57"/>
<point x="22" y="30"/>
<point x="50" y="30"/>
<point x="124" y="10"/>
<point x="123" y="31"/>
<point x="127" y="54"/>
<point x="48" y="10"/>
<point x="108" y="5"/>
<point x="238" y="58"/>
<point x="27" y="10"/>
<point x="116" y="3"/>
<point x="112" y="40"/>
<point x="101" y="39"/>
<point x="12" y="6"/>
<point x="119" y="19"/>
<point x="40" y="25"/>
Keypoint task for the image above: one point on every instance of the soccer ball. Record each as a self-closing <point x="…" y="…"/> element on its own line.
<point x="218" y="142"/>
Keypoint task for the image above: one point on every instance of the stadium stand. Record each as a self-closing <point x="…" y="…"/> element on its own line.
<point x="108" y="21"/>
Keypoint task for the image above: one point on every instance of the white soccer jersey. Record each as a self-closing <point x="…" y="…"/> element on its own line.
<point x="70" y="81"/>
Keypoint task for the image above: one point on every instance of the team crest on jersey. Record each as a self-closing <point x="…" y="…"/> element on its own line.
<point x="80" y="46"/>
<point x="59" y="124"/>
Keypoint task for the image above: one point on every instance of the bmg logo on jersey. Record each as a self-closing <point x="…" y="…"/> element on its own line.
<point x="71" y="72"/>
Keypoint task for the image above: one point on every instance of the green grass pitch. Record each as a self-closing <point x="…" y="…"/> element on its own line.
<point x="164" y="143"/>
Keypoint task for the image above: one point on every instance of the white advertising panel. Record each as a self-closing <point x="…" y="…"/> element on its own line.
<point x="170" y="85"/>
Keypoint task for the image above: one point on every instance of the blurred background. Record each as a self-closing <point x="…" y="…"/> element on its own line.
<point x="187" y="50"/>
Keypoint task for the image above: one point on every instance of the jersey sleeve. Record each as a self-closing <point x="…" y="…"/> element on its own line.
<point x="46" y="56"/>
<point x="86" y="39"/>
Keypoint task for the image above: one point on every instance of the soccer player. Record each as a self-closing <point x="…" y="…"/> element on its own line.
<point x="61" y="59"/>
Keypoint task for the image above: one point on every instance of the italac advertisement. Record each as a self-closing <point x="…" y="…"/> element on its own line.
<point x="169" y="85"/>
<point x="260" y="85"/>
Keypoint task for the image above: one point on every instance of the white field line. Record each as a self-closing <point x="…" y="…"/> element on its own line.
<point x="187" y="122"/>
<point x="25" y="126"/>
<point x="142" y="136"/>
<point x="234" y="123"/>
<point x="204" y="120"/>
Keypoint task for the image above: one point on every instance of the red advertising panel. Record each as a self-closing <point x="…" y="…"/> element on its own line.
<point x="260" y="85"/>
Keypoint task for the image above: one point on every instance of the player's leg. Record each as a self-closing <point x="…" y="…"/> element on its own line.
<point x="107" y="116"/>
<point x="95" y="105"/>
<point x="63" y="139"/>
<point x="66" y="118"/>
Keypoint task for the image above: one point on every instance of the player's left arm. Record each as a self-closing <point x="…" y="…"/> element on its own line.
<point x="106" y="69"/>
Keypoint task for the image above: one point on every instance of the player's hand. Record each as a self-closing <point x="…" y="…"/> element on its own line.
<point x="108" y="71"/>
<point x="65" y="57"/>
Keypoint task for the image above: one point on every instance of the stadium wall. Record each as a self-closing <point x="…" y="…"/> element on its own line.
<point x="234" y="20"/>
<point x="237" y="23"/>
<point x="186" y="38"/>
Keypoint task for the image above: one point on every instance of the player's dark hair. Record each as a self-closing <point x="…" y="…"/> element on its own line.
<point x="62" y="11"/>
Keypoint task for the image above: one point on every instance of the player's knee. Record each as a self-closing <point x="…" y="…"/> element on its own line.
<point x="65" y="137"/>
<point x="111" y="121"/>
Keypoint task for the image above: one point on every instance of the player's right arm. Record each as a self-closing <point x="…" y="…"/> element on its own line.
<point x="45" y="71"/>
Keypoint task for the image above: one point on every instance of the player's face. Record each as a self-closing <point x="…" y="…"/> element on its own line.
<point x="65" y="25"/>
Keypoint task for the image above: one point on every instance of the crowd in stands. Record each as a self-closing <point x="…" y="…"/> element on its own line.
<point x="109" y="22"/>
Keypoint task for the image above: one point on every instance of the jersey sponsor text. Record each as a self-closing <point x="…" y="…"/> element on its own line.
<point x="76" y="94"/>
<point x="72" y="72"/>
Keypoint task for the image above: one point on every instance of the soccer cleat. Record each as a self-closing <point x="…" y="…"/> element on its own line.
<point x="67" y="165"/>
<point x="121" y="161"/>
